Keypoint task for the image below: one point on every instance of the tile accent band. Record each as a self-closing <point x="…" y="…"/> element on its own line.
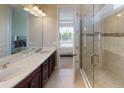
<point x="106" y="34"/>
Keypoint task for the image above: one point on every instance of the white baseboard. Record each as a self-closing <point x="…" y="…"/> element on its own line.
<point x="85" y="79"/>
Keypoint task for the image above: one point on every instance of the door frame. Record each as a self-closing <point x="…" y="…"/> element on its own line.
<point x="58" y="41"/>
<point x="76" y="13"/>
<point x="76" y="52"/>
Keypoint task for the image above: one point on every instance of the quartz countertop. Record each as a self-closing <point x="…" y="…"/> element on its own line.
<point x="27" y="65"/>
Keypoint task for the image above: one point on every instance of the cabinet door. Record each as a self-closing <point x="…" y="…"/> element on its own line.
<point x="45" y="78"/>
<point x="44" y="75"/>
<point x="36" y="81"/>
<point x="53" y="62"/>
<point x="50" y="66"/>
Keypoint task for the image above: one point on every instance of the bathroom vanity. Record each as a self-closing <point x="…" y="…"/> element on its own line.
<point x="40" y="76"/>
<point x="36" y="69"/>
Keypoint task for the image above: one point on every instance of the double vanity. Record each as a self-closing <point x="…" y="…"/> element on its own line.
<point x="28" y="69"/>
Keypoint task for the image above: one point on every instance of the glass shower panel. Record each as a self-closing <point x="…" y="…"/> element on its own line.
<point x="109" y="46"/>
<point x="87" y="45"/>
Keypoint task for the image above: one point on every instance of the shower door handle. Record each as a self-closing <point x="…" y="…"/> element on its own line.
<point x="94" y="59"/>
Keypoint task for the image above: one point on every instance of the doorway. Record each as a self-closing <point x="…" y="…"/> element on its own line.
<point x="66" y="36"/>
<point x="66" y="46"/>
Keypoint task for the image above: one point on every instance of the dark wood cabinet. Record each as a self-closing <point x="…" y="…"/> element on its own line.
<point x="50" y="67"/>
<point x="44" y="68"/>
<point x="24" y="85"/>
<point x="27" y="81"/>
<point x="39" y="77"/>
<point x="36" y="82"/>
<point x="53" y="62"/>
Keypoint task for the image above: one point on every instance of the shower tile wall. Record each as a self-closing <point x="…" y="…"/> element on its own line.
<point x="113" y="50"/>
<point x="113" y="24"/>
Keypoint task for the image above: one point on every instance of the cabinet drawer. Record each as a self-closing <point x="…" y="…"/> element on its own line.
<point x="50" y="67"/>
<point x="45" y="72"/>
<point x="45" y="76"/>
<point x="45" y="68"/>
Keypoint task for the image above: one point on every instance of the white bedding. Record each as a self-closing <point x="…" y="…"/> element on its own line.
<point x="66" y="49"/>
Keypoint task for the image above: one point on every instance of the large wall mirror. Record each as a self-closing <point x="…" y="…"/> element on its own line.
<point x="19" y="30"/>
<point x="13" y="30"/>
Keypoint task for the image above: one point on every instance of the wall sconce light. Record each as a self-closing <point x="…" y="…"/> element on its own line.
<point x="119" y="15"/>
<point x="26" y="9"/>
<point x="35" y="10"/>
<point x="43" y="14"/>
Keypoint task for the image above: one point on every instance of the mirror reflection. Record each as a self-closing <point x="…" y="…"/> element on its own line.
<point x="19" y="30"/>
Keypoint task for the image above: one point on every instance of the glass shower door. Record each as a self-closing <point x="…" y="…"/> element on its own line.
<point x="87" y="46"/>
<point x="103" y="47"/>
<point x="109" y="46"/>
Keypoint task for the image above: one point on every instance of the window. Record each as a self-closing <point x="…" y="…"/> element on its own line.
<point x="66" y="36"/>
<point x="66" y="26"/>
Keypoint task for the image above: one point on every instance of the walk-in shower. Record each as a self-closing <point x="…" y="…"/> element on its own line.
<point x="103" y="45"/>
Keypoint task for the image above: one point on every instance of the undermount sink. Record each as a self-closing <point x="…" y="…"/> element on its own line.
<point x="9" y="73"/>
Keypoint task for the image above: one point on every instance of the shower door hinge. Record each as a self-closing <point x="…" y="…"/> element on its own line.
<point x="94" y="59"/>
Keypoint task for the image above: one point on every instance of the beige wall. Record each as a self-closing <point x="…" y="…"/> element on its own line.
<point x="43" y="30"/>
<point x="85" y="9"/>
<point x="35" y="31"/>
<point x="50" y="25"/>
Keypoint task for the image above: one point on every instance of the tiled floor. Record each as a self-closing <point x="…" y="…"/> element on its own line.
<point x="63" y="78"/>
<point x="66" y="62"/>
<point x="105" y="75"/>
